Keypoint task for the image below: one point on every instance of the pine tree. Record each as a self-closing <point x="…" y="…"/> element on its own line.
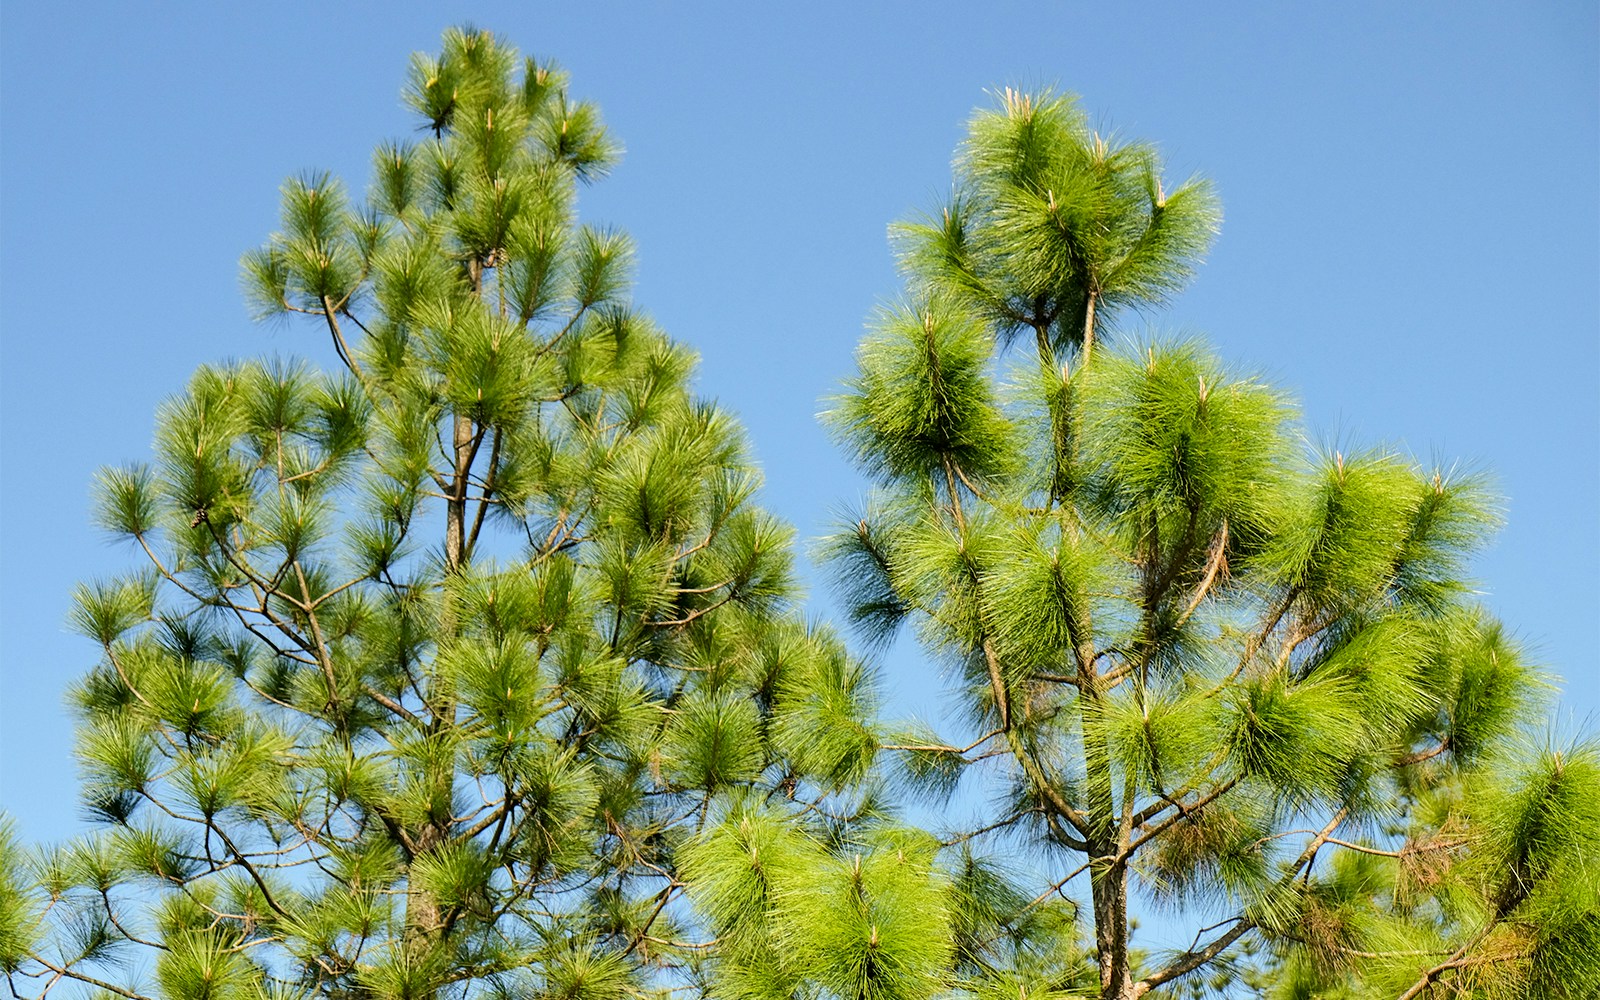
<point x="1241" y="680"/>
<point x="434" y="663"/>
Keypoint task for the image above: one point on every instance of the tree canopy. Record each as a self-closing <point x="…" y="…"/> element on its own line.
<point x="473" y="668"/>
<point x="1206" y="664"/>
<point x="432" y="663"/>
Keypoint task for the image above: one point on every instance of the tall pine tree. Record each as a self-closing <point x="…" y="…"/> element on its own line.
<point x="432" y="663"/>
<point x="1205" y="665"/>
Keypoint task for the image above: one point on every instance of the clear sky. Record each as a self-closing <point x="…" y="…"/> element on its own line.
<point x="1411" y="244"/>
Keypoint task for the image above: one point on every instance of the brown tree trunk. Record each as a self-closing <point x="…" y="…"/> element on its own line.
<point x="1108" y="882"/>
<point x="424" y="920"/>
<point x="1109" y="889"/>
<point x="455" y="532"/>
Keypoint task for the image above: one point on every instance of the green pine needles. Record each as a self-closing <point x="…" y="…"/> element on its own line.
<point x="1207" y="667"/>
<point x="472" y="669"/>
<point x="434" y="663"/>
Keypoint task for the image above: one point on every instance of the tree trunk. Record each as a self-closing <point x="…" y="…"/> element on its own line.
<point x="1088" y="328"/>
<point x="424" y="921"/>
<point x="455" y="533"/>
<point x="1109" y="888"/>
<point x="1108" y="882"/>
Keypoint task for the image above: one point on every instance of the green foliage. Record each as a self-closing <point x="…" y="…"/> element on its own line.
<point x="863" y="917"/>
<point x="1053" y="222"/>
<point x="438" y="660"/>
<point x="473" y="669"/>
<point x="923" y="397"/>
<point x="18" y="910"/>
<point x="1174" y="445"/>
<point x="1246" y="677"/>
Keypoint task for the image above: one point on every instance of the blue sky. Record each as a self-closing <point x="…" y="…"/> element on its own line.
<point x="1411" y="244"/>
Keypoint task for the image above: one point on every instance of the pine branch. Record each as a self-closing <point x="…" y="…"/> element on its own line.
<point x="1195" y="958"/>
<point x="70" y="973"/>
<point x="1185" y="812"/>
<point x="488" y="491"/>
<point x="1455" y="961"/>
<point x="339" y="344"/>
